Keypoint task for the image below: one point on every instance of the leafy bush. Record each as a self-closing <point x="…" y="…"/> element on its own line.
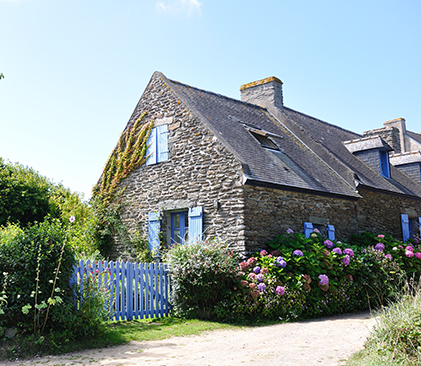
<point x="94" y="305"/>
<point x="24" y="194"/>
<point x="30" y="260"/>
<point x="202" y="275"/>
<point x="406" y="255"/>
<point x="307" y="277"/>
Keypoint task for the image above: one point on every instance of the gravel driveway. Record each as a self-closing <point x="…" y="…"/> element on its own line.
<point x="326" y="341"/>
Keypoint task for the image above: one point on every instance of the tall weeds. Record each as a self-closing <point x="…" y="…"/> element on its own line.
<point x="396" y="337"/>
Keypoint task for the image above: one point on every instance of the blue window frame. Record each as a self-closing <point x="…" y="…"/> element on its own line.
<point x="384" y="164"/>
<point x="179" y="227"/>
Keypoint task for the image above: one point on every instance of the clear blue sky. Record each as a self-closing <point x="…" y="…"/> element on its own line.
<point x="75" y="69"/>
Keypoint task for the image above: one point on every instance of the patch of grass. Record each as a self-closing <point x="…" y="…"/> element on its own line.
<point x="111" y="334"/>
<point x="396" y="338"/>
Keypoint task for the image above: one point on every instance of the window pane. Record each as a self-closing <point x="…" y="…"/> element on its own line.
<point x="186" y="220"/>
<point x="176" y="221"/>
<point x="176" y="236"/>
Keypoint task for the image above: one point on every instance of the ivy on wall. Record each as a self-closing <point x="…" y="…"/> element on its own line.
<point x="129" y="154"/>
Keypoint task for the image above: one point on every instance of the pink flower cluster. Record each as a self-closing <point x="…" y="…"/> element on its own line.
<point x="280" y="290"/>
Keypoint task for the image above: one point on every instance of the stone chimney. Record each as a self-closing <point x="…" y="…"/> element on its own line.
<point x="399" y="123"/>
<point x="265" y="93"/>
<point x="390" y="135"/>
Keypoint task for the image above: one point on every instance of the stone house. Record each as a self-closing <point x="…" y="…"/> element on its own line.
<point x="243" y="171"/>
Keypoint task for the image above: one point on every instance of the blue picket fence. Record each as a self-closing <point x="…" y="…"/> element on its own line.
<point x="137" y="290"/>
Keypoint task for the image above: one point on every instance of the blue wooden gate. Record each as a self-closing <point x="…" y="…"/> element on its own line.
<point x="137" y="290"/>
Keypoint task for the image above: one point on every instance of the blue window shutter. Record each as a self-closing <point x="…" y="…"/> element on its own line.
<point x="154" y="229"/>
<point x="405" y="227"/>
<point x="331" y="232"/>
<point x="419" y="226"/>
<point x="308" y="229"/>
<point x="162" y="138"/>
<point x="195" y="224"/>
<point x="151" y="149"/>
<point x="384" y="164"/>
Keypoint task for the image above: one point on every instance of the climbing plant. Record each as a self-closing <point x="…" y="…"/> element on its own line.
<point x="129" y="154"/>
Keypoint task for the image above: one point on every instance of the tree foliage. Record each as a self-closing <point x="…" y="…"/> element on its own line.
<point x="24" y="194"/>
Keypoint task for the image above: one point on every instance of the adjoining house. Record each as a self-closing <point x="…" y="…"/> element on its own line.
<point x="243" y="171"/>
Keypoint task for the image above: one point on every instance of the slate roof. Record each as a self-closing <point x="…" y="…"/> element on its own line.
<point x="415" y="136"/>
<point x="311" y="156"/>
<point x="331" y="137"/>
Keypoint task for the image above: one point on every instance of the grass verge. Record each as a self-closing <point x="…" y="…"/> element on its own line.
<point x="396" y="338"/>
<point x="111" y="334"/>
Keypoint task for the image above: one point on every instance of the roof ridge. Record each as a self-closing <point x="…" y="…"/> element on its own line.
<point x="218" y="95"/>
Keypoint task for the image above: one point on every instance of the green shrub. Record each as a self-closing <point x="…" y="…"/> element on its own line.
<point x="308" y="277"/>
<point x="94" y="305"/>
<point x="30" y="259"/>
<point x="407" y="256"/>
<point x="202" y="275"/>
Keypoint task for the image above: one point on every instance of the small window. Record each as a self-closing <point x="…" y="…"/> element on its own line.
<point x="263" y="139"/>
<point x="384" y="164"/>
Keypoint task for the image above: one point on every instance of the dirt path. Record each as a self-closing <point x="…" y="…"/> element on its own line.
<point x="327" y="341"/>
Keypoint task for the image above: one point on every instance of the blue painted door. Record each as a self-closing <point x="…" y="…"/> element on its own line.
<point x="179" y="227"/>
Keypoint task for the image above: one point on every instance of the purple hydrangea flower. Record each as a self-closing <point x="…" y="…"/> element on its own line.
<point x="409" y="254"/>
<point x="279" y="262"/>
<point x="381" y="236"/>
<point x="328" y="244"/>
<point x="345" y="260"/>
<point x="290" y="231"/>
<point x="280" y="290"/>
<point x="379" y="246"/>
<point x="389" y="256"/>
<point x="261" y="287"/>
<point x="416" y="241"/>
<point x="409" y="248"/>
<point x="417" y="255"/>
<point x="263" y="253"/>
<point x="337" y="250"/>
<point x="324" y="280"/>
<point x="349" y="252"/>
<point x="256" y="269"/>
<point x="316" y="230"/>
<point x="259" y="277"/>
<point x="298" y="253"/>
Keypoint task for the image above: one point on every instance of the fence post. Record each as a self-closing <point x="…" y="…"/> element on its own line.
<point x="129" y="290"/>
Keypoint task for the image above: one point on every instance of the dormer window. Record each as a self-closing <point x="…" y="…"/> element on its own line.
<point x="384" y="164"/>
<point x="263" y="139"/>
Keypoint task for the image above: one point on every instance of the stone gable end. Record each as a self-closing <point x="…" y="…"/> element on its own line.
<point x="200" y="171"/>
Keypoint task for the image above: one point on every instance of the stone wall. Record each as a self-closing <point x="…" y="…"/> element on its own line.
<point x="199" y="172"/>
<point x="270" y="212"/>
<point x="382" y="212"/>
